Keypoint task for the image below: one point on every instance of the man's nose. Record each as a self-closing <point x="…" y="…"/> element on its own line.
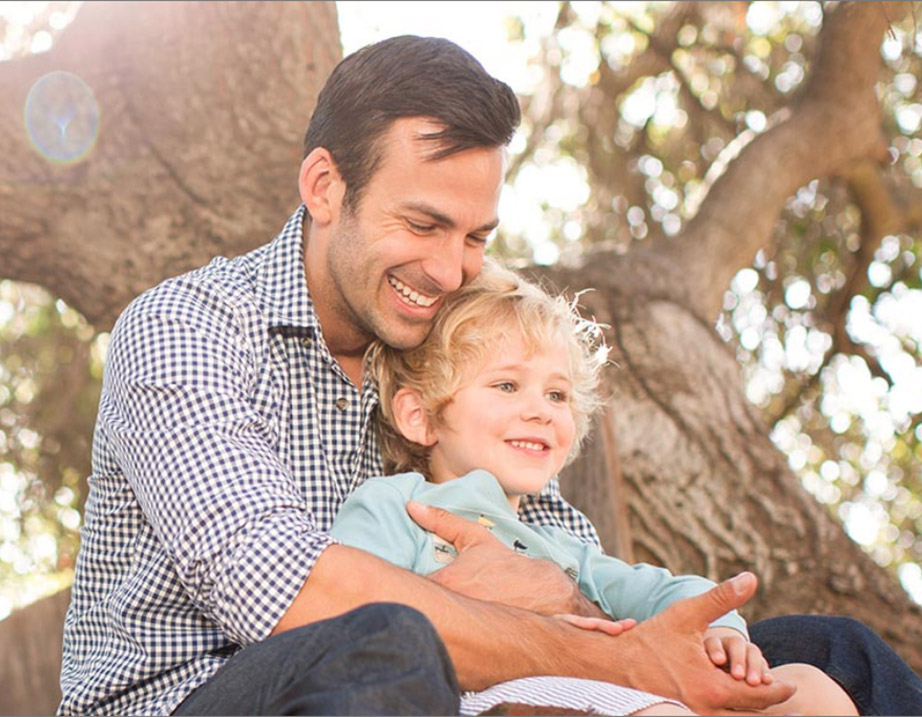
<point x="452" y="264"/>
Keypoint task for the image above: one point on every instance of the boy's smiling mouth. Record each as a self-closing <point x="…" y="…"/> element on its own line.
<point x="528" y="444"/>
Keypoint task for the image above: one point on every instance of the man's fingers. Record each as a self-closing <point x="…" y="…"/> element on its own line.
<point x="458" y="531"/>
<point x="700" y="611"/>
<point x="744" y="698"/>
<point x="764" y="696"/>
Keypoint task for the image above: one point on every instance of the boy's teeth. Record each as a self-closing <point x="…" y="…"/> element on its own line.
<point x="409" y="294"/>
<point x="528" y="444"/>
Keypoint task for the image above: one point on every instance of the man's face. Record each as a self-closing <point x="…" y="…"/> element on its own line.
<point x="418" y="234"/>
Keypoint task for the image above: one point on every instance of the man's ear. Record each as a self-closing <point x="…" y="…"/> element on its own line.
<point x="411" y="419"/>
<point x="321" y="186"/>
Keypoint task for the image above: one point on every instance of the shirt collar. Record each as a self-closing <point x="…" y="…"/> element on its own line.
<point x="282" y="284"/>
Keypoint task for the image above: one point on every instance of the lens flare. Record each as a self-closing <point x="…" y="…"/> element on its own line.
<point x="62" y="117"/>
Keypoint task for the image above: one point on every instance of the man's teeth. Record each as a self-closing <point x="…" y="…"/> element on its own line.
<point x="527" y="444"/>
<point x="410" y="296"/>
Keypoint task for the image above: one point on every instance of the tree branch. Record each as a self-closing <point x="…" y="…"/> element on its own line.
<point x="815" y="139"/>
<point x="884" y="210"/>
<point x="100" y="231"/>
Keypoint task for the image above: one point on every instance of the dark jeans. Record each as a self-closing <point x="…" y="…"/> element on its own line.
<point x="874" y="676"/>
<point x="381" y="659"/>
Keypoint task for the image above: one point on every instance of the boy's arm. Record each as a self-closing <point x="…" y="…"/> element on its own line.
<point x="374" y="519"/>
<point x="637" y="591"/>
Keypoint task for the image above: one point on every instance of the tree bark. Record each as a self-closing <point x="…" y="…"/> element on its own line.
<point x="197" y="155"/>
<point x="30" y="661"/>
<point x="202" y="112"/>
<point x="707" y="492"/>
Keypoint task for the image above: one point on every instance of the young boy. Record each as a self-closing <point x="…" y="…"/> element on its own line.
<point x="488" y="409"/>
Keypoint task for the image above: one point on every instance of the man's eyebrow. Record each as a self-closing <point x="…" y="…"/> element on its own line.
<point x="445" y="220"/>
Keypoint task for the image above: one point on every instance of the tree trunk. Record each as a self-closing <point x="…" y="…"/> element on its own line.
<point x="198" y="152"/>
<point x="30" y="661"/>
<point x="706" y="490"/>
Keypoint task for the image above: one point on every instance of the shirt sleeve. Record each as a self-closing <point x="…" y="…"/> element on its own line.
<point x="178" y="413"/>
<point x="374" y="519"/>
<point x="637" y="591"/>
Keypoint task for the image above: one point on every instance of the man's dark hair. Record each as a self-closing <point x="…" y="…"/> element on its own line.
<point x="407" y="76"/>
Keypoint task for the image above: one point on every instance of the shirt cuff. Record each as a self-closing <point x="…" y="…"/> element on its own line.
<point x="265" y="574"/>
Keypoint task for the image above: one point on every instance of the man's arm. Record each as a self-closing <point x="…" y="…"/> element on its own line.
<point x="178" y="419"/>
<point x="490" y="642"/>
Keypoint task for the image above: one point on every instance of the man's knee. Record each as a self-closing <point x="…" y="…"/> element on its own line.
<point x="378" y="659"/>
<point x="850" y="631"/>
<point x="822" y="632"/>
<point x="397" y="625"/>
<point x="393" y="616"/>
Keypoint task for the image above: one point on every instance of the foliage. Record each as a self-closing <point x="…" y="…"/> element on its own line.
<point x="636" y="105"/>
<point x="49" y="389"/>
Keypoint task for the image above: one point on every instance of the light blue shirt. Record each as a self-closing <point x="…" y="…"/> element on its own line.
<point x="374" y="519"/>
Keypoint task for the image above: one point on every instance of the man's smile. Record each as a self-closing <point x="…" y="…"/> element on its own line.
<point x="411" y="296"/>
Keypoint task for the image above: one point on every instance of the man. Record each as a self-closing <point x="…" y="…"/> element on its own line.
<point x="234" y="421"/>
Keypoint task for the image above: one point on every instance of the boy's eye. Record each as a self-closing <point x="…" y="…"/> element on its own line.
<point x="558" y="396"/>
<point x="505" y="386"/>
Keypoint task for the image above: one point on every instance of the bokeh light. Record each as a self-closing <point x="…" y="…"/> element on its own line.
<point x="62" y="117"/>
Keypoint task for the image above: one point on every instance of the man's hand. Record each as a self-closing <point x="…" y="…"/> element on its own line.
<point x="666" y="655"/>
<point x="731" y="651"/>
<point x="486" y="569"/>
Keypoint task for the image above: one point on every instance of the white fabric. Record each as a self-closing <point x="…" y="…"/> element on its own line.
<point x="590" y="696"/>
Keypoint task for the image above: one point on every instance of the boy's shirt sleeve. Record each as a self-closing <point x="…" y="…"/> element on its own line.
<point x="375" y="519"/>
<point x="638" y="591"/>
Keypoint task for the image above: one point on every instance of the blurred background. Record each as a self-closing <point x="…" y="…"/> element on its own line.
<point x="826" y="325"/>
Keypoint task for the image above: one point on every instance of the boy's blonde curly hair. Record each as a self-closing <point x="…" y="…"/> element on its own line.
<point x="467" y="328"/>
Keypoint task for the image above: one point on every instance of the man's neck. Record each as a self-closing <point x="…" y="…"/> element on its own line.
<point x="352" y="366"/>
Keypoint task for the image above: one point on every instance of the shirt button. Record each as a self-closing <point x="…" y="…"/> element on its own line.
<point x="307" y="342"/>
<point x="342" y="403"/>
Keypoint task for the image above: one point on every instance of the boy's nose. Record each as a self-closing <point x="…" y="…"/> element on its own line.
<point x="535" y="407"/>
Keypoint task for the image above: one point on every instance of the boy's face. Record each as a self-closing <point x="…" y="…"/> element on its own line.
<point x="511" y="417"/>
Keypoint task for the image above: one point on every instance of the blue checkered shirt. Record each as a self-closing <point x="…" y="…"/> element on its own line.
<point x="226" y="441"/>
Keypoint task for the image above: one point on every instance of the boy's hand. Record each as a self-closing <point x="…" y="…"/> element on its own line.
<point x="728" y="649"/>
<point x="609" y="627"/>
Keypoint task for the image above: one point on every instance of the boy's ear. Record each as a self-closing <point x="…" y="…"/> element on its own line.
<point x="321" y="186"/>
<point x="411" y="419"/>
